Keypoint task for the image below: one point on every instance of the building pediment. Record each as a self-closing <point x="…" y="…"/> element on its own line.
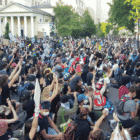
<point x="15" y="8"/>
<point x="19" y="8"/>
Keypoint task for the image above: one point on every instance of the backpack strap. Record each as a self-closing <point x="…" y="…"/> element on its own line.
<point x="125" y="100"/>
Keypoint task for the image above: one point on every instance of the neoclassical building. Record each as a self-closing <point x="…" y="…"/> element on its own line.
<point x="26" y="18"/>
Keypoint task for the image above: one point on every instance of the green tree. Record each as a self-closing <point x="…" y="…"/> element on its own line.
<point x="116" y="31"/>
<point x="63" y="15"/>
<point x="99" y="32"/>
<point x="89" y="27"/>
<point x="120" y="14"/>
<point x="7" y="31"/>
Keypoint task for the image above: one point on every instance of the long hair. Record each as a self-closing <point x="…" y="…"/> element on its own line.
<point x="56" y="111"/>
<point x="3" y="80"/>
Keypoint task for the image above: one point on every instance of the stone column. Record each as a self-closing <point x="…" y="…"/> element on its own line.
<point x="19" y="30"/>
<point x="5" y="21"/>
<point x="32" y="26"/>
<point x="25" y="26"/>
<point x="0" y="27"/>
<point x="12" y="25"/>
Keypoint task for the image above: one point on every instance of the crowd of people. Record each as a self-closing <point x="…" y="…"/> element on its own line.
<point x="75" y="77"/>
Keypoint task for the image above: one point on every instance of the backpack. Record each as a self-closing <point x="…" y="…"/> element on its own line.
<point x="99" y="99"/>
<point x="22" y="88"/>
<point x="120" y="105"/>
<point x="70" y="131"/>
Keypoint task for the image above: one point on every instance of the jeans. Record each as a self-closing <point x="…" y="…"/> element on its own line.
<point x="51" y="131"/>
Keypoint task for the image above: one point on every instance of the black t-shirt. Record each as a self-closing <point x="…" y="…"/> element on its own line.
<point x="89" y="78"/>
<point x="54" y="103"/>
<point x="27" y="137"/>
<point x="5" y="94"/>
<point x="43" y="123"/>
<point x="82" y="129"/>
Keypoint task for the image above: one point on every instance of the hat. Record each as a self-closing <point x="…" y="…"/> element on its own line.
<point x="14" y="64"/>
<point x="99" y="85"/>
<point x="31" y="77"/>
<point x="46" y="105"/>
<point x="77" y="59"/>
<point x="66" y="76"/>
<point x="82" y="97"/>
<point x="64" y="99"/>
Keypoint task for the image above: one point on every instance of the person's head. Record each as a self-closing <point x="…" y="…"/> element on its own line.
<point x="137" y="81"/>
<point x="82" y="100"/>
<point x="125" y="80"/>
<point x="91" y="68"/>
<point x="132" y="91"/>
<point x="97" y="135"/>
<point x="45" y="108"/>
<point x="3" y="80"/>
<point x="84" y="111"/>
<point x="32" y="70"/>
<point x="89" y="90"/>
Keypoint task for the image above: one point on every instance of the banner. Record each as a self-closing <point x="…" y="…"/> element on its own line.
<point x="37" y="94"/>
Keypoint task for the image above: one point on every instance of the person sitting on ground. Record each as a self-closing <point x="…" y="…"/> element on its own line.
<point x="4" y="134"/>
<point x="97" y="133"/>
<point x="130" y="108"/>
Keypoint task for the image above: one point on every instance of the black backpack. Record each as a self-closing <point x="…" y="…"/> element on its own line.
<point x="120" y="105"/>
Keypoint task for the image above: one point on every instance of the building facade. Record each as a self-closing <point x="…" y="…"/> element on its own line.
<point x="96" y="4"/>
<point x="27" y="18"/>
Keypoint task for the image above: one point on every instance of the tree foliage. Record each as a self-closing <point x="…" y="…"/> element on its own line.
<point x="70" y="23"/>
<point x="89" y="27"/>
<point x="99" y="32"/>
<point x="120" y="14"/>
<point x="7" y="31"/>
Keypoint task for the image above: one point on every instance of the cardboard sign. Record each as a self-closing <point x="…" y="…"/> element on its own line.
<point x="6" y="42"/>
<point x="40" y="34"/>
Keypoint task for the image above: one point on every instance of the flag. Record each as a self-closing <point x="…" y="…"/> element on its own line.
<point x="100" y="47"/>
<point x="37" y="94"/>
<point x="93" y="42"/>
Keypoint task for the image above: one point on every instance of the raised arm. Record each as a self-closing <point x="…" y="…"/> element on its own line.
<point x="55" y="91"/>
<point x="100" y="120"/>
<point x="8" y="121"/>
<point x="13" y="72"/>
<point x="34" y="124"/>
<point x="15" y="77"/>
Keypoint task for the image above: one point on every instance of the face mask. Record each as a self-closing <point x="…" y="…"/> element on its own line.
<point x="66" y="105"/>
<point x="45" y="113"/>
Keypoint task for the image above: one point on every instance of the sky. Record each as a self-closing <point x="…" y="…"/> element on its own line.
<point x="105" y="8"/>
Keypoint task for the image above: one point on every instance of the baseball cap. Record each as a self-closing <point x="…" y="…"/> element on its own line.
<point x="66" y="76"/>
<point x="46" y="105"/>
<point x="82" y="97"/>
